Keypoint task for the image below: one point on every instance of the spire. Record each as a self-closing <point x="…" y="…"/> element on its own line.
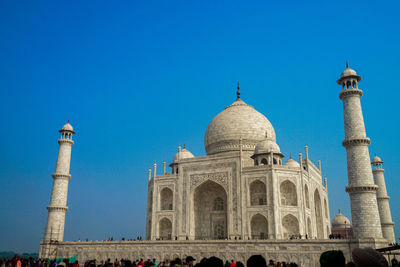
<point x="290" y="155"/>
<point x="347" y="64"/>
<point x="238" y="91"/>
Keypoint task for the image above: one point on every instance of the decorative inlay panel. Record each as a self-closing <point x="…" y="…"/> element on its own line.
<point x="218" y="177"/>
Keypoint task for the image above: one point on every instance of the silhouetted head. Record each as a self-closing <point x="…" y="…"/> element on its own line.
<point x="256" y="261"/>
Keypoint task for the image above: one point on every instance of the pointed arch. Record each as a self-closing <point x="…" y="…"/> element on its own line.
<point x="288" y="193"/>
<point x="210" y="211"/>
<point x="165" y="229"/>
<point x="290" y="226"/>
<point x="259" y="227"/>
<point x="318" y="215"/>
<point x="166" y="199"/>
<point x="307" y="196"/>
<point x="258" y="194"/>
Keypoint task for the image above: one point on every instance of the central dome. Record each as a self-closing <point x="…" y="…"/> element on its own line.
<point x="238" y="120"/>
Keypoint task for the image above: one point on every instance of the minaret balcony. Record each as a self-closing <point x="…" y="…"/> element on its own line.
<point x="57" y="208"/>
<point x="361" y="188"/>
<point x="350" y="92"/>
<point x="61" y="176"/>
<point x="68" y="141"/>
<point x="365" y="141"/>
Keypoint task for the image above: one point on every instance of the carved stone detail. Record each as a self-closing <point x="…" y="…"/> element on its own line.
<point x="218" y="177"/>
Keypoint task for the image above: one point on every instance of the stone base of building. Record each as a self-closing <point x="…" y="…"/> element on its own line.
<point x="305" y="252"/>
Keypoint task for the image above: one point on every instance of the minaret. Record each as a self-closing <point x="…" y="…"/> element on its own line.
<point x="383" y="200"/>
<point x="361" y="189"/>
<point x="58" y="202"/>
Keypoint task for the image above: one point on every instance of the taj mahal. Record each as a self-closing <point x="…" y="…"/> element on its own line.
<point x="244" y="197"/>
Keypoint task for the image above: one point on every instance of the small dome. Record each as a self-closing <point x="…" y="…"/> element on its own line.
<point x="292" y="163"/>
<point x="183" y="154"/>
<point x="266" y="146"/>
<point x="377" y="159"/>
<point x="348" y="72"/>
<point x="341" y="221"/>
<point x="67" y="127"/>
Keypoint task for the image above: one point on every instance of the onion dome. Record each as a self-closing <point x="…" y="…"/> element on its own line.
<point x="376" y="160"/>
<point x="340" y="221"/>
<point x="183" y="154"/>
<point x="348" y="73"/>
<point x="266" y="146"/>
<point x="67" y="128"/>
<point x="237" y="123"/>
<point x="292" y="163"/>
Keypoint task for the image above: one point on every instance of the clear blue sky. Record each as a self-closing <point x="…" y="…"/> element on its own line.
<point x="138" y="78"/>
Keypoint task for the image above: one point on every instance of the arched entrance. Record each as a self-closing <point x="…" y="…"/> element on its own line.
<point x="318" y="215"/>
<point x="210" y="211"/>
<point x="290" y="226"/>
<point x="259" y="227"/>
<point x="165" y="229"/>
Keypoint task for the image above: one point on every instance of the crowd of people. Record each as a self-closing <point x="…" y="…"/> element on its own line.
<point x="362" y="257"/>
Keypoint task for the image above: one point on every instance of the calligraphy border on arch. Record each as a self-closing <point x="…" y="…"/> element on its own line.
<point x="218" y="177"/>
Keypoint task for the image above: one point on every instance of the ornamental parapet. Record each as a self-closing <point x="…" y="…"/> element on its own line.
<point x="57" y="208"/>
<point x="365" y="141"/>
<point x="361" y="188"/>
<point x="350" y="92"/>
<point x="68" y="141"/>
<point x="383" y="198"/>
<point x="378" y="170"/>
<point x="61" y="176"/>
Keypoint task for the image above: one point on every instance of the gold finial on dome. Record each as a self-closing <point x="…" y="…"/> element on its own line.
<point x="347" y="64"/>
<point x="238" y="91"/>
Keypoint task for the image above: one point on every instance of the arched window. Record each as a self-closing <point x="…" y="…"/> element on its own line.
<point x="166" y="197"/>
<point x="264" y="161"/>
<point x="258" y="194"/>
<point x="288" y="194"/>
<point x="275" y="162"/>
<point x="318" y="215"/>
<point x="218" y="204"/>
<point x="307" y="196"/>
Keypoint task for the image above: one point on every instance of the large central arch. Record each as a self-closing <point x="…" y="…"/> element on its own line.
<point x="210" y="211"/>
